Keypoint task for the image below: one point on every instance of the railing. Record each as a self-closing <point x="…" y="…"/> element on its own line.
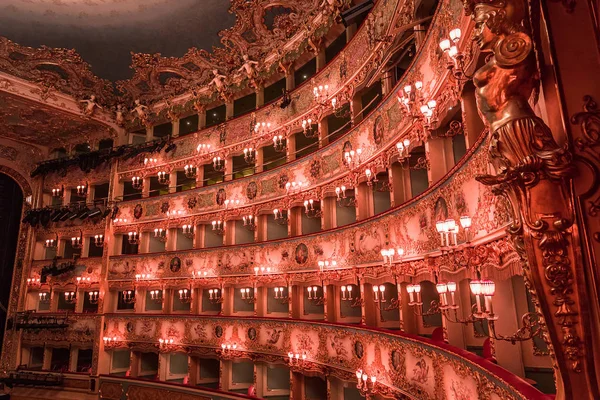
<point x="403" y="364"/>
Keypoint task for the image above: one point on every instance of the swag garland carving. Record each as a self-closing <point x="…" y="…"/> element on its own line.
<point x="533" y="173"/>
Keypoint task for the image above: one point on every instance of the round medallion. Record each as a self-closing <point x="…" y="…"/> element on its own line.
<point x="218" y="331"/>
<point x="175" y="264"/>
<point x="251" y="190"/>
<point x="251" y="333"/>
<point x="301" y="253"/>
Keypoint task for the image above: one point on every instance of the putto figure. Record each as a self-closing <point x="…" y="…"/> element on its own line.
<point x="249" y="67"/>
<point x="141" y="112"/>
<point x="90" y="105"/>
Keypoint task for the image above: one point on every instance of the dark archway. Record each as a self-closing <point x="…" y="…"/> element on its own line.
<point x="11" y="204"/>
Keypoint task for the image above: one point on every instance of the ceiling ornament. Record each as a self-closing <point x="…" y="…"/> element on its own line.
<point x="234" y="66"/>
<point x="57" y="69"/>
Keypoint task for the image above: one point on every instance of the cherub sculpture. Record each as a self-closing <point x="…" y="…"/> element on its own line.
<point x="90" y="105"/>
<point x="249" y="67"/>
<point x="141" y="112"/>
<point x="120" y="115"/>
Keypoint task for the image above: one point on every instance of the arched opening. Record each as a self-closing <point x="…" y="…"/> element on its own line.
<point x="11" y="203"/>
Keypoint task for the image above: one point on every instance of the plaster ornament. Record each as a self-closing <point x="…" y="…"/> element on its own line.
<point x="120" y="115"/>
<point x="141" y="112"/>
<point x="249" y="67"/>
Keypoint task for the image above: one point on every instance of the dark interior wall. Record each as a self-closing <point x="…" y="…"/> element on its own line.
<point x="11" y="202"/>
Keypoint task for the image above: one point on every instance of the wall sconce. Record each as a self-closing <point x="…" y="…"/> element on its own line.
<point x="403" y="153"/>
<point x="34" y="282"/>
<point x="250" y="155"/>
<point x="58" y="192"/>
<point x="339" y="110"/>
<point x="148" y="162"/>
<point x="448" y="231"/>
<point x="185" y="295"/>
<point x="77" y="241"/>
<point x="249" y="222"/>
<point x="84" y="281"/>
<point x="326" y="264"/>
<point x="188" y="231"/>
<point x="310" y="211"/>
<point x="156" y="295"/>
<point x="137" y="182"/>
<point x="51" y="243"/>
<point x="165" y="343"/>
<point x="248" y="295"/>
<point x="82" y="189"/>
<point x="143" y="277"/>
<point x="128" y="296"/>
<point x="279" y="143"/>
<point x="109" y="341"/>
<point x="133" y="238"/>
<point x="70" y="297"/>
<point x="352" y="158"/>
<point x="366" y="384"/>
<point x="160" y="234"/>
<point x="313" y="295"/>
<point x="308" y="129"/>
<point x="456" y="58"/>
<point x="203" y="148"/>
<point x="229" y="351"/>
<point x="99" y="240"/>
<point x="279" y="294"/>
<point x="280" y="216"/>
<point x="190" y="171"/>
<point x="215" y="296"/>
<point x="262" y="128"/>
<point x="218" y="164"/>
<point x="93" y="297"/>
<point x="198" y="274"/>
<point x="347" y="296"/>
<point x="410" y="96"/>
<point x="230" y="204"/>
<point x="321" y="93"/>
<point x="294" y="187"/>
<point x="44" y="297"/>
<point x="342" y="200"/>
<point x="296" y="359"/>
<point x="388" y="255"/>
<point x="163" y="177"/>
<point x="218" y="226"/>
<point x="262" y="270"/>
<point x="428" y="111"/>
<point x="465" y="222"/>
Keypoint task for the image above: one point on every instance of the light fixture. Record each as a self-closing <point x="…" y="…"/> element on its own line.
<point x="93" y="297"/>
<point x="163" y="177"/>
<point x="128" y="296"/>
<point x="410" y="96"/>
<point x="214" y="295"/>
<point x="51" y="243"/>
<point x="280" y="216"/>
<point x="188" y="231"/>
<point x="280" y="295"/>
<point x="218" y="227"/>
<point x="465" y="222"/>
<point x="279" y="144"/>
<point x="164" y="343"/>
<point x="428" y="111"/>
<point x="133" y="238"/>
<point x="70" y="297"/>
<point x="308" y="129"/>
<point x="321" y="93"/>
<point x="248" y="294"/>
<point x="310" y="211"/>
<point x="160" y="234"/>
<point x="403" y="149"/>
<point x="185" y="295"/>
<point x="82" y="189"/>
<point x="249" y="222"/>
<point x="99" y="240"/>
<point x="218" y="164"/>
<point x="250" y="155"/>
<point x="203" y="148"/>
<point x="388" y="254"/>
<point x="77" y="241"/>
<point x="230" y="204"/>
<point x="294" y="187"/>
<point x="313" y="295"/>
<point x="456" y="58"/>
<point x="44" y="297"/>
<point x="262" y="270"/>
<point x="448" y="231"/>
<point x="297" y="359"/>
<point x="34" y="282"/>
<point x="156" y="295"/>
<point x="262" y="128"/>
<point x="325" y="264"/>
<point x="58" y="192"/>
<point x="190" y="171"/>
<point x="148" y="161"/>
<point x="342" y="199"/>
<point x="366" y="384"/>
<point x="352" y="158"/>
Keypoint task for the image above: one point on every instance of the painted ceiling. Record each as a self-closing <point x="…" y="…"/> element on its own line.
<point x="105" y="32"/>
